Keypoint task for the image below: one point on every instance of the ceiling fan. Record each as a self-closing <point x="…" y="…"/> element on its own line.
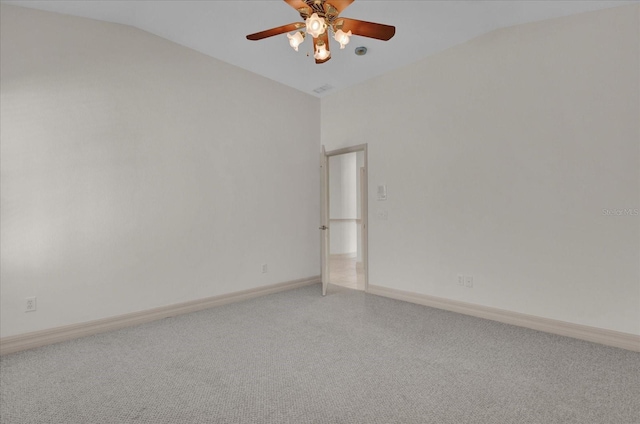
<point x="319" y="16"/>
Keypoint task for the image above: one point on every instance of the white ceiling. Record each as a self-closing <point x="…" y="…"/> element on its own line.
<point x="218" y="28"/>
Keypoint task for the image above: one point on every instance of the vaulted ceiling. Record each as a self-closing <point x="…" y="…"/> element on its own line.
<point x="218" y="29"/>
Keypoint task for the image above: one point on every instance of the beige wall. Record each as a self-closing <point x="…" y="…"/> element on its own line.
<point x="500" y="156"/>
<point x="137" y="173"/>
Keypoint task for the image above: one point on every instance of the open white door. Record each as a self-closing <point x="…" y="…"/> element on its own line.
<point x="324" y="217"/>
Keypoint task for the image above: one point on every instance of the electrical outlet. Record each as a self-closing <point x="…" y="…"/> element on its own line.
<point x="460" y="280"/>
<point x="30" y="304"/>
<point x="468" y="280"/>
<point x="264" y="268"/>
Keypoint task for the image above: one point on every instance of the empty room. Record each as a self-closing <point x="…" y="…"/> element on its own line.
<point x="320" y="211"/>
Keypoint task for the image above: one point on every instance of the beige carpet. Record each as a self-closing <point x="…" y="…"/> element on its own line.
<point x="296" y="357"/>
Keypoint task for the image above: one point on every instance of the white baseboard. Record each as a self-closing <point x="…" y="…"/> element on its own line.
<point x="577" y="331"/>
<point x="26" y="341"/>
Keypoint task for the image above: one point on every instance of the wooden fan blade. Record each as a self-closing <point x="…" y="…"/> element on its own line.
<point x="297" y="4"/>
<point x="275" y="31"/>
<point x="367" y="29"/>
<point x="340" y="5"/>
<point x="324" y="37"/>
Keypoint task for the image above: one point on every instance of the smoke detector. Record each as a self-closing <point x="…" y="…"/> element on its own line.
<point x="361" y="51"/>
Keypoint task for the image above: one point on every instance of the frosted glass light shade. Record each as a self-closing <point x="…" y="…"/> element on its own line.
<point x="295" y="40"/>
<point x="316" y="26"/>
<point x="321" y="52"/>
<point x="342" y="37"/>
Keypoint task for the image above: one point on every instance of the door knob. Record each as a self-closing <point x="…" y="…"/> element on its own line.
<point x="324" y="227"/>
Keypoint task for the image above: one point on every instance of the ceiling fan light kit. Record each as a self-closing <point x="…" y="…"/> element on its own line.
<point x="342" y="37"/>
<point x="315" y="25"/>
<point x="319" y="17"/>
<point x="321" y="54"/>
<point x="296" y="39"/>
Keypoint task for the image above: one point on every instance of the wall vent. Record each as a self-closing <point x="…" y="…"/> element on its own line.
<point x="322" y="88"/>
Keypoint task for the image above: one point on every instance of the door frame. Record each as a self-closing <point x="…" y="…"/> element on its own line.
<point x="364" y="208"/>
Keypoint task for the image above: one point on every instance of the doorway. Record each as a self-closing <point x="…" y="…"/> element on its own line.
<point x="345" y="218"/>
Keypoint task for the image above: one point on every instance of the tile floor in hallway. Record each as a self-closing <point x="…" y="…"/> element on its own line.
<point x="345" y="273"/>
